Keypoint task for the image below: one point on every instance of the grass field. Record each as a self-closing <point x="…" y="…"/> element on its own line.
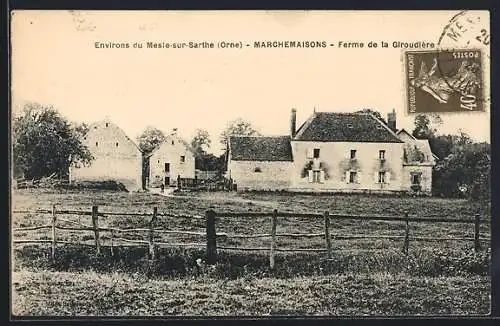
<point x="366" y="277"/>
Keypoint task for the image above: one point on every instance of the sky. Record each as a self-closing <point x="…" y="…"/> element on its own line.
<point x="55" y="62"/>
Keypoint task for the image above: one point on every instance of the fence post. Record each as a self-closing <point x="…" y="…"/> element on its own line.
<point x="477" y="245"/>
<point x="111" y="247"/>
<point x="327" y="235"/>
<point x="53" y="232"/>
<point x="95" y="223"/>
<point x="211" y="237"/>
<point x="407" y="234"/>
<point x="151" y="235"/>
<point x="273" y="239"/>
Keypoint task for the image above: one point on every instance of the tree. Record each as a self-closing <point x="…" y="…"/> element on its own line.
<point x="45" y="143"/>
<point x="150" y="139"/>
<point x="426" y="126"/>
<point x="374" y="113"/>
<point x="81" y="129"/>
<point x="465" y="171"/>
<point x="238" y="127"/>
<point x="201" y="142"/>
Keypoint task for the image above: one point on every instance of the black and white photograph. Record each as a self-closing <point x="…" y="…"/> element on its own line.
<point x="250" y="164"/>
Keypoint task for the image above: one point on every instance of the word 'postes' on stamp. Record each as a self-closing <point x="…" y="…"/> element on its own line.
<point x="444" y="81"/>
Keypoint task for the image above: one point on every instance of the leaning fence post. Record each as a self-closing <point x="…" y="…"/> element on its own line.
<point x="273" y="239"/>
<point x="211" y="237"/>
<point x="477" y="245"/>
<point x="53" y="232"/>
<point x="151" y="235"/>
<point x="407" y="233"/>
<point x="327" y="235"/>
<point x="95" y="223"/>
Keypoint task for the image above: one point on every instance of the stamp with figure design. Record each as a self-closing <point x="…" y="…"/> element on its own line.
<point x="444" y="81"/>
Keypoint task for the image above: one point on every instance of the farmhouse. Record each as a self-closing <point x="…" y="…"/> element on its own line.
<point x="173" y="159"/>
<point x="116" y="157"/>
<point x="333" y="152"/>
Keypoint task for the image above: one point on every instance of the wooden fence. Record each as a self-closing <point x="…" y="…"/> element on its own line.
<point x="210" y="233"/>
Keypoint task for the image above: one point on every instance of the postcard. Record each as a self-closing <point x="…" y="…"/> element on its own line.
<point x="250" y="164"/>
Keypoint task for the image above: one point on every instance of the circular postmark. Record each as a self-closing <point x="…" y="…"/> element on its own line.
<point x="459" y="58"/>
<point x="464" y="30"/>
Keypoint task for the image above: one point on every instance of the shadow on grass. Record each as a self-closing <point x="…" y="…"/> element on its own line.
<point x="178" y="263"/>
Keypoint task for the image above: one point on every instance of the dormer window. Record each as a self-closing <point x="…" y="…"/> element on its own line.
<point x="349" y="125"/>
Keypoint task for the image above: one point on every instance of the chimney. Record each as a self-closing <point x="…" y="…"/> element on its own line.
<point x="391" y="120"/>
<point x="293" y="123"/>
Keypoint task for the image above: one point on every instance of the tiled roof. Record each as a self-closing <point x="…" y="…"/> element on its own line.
<point x="260" y="148"/>
<point x="345" y="127"/>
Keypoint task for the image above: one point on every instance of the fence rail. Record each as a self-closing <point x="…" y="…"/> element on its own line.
<point x="210" y="234"/>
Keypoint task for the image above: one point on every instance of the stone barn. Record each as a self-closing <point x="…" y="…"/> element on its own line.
<point x="116" y="157"/>
<point x="260" y="163"/>
<point x="172" y="159"/>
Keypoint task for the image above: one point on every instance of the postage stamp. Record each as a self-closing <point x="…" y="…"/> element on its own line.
<point x="444" y="81"/>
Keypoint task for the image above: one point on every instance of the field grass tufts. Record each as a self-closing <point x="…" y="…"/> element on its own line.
<point x="174" y="262"/>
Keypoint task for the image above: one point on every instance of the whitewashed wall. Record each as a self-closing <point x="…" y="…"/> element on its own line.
<point x="116" y="157"/>
<point x="336" y="157"/>
<point x="272" y="175"/>
<point x="170" y="151"/>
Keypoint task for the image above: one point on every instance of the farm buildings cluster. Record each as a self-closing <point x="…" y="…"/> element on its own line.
<point x="329" y="152"/>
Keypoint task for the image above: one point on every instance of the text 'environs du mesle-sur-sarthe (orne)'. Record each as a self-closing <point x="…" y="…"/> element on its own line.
<point x="262" y="44"/>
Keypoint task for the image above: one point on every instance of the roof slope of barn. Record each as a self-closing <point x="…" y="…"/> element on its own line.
<point x="178" y="138"/>
<point x="260" y="148"/>
<point x="95" y="125"/>
<point x="345" y="127"/>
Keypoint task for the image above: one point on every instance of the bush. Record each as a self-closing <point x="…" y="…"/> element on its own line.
<point x="100" y="185"/>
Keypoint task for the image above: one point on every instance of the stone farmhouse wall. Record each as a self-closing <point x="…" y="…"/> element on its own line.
<point x="116" y="157"/>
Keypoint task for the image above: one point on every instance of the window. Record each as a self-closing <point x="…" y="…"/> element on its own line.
<point x="167" y="167"/>
<point x="316" y="153"/>
<point x="381" y="177"/>
<point x="96" y="144"/>
<point x="173" y="143"/>
<point x="117" y="144"/>
<point x="107" y="124"/>
<point x="353" y="154"/>
<point x="183" y="159"/>
<point x="415" y="179"/>
<point x="349" y="125"/>
<point x="381" y="154"/>
<point x="352" y="177"/>
<point x="257" y="169"/>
